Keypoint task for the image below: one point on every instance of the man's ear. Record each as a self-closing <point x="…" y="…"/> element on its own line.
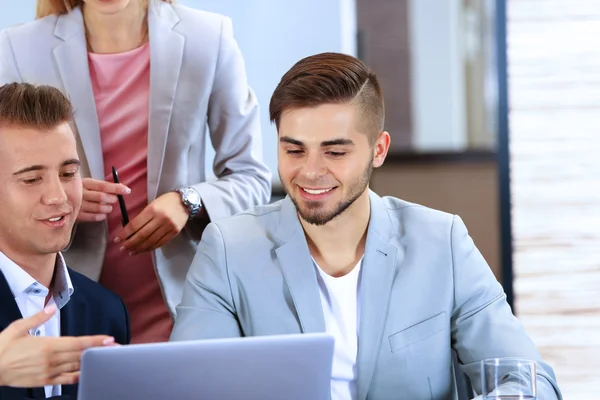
<point x="382" y="145"/>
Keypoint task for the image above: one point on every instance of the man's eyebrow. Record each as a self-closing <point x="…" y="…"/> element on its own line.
<point x="32" y="168"/>
<point x="326" y="143"/>
<point x="29" y="169"/>
<point x="337" y="142"/>
<point x="287" y="139"/>
<point x="72" y="161"/>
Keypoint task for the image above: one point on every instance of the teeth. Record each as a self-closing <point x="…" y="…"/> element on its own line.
<point x="55" y="219"/>
<point x="321" y="191"/>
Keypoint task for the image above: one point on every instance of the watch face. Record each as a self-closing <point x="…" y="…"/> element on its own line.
<point x="192" y="196"/>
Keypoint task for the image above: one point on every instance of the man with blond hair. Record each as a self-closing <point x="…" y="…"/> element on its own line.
<point x="40" y="196"/>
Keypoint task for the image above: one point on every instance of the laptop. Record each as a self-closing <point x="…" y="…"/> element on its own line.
<point x="291" y="367"/>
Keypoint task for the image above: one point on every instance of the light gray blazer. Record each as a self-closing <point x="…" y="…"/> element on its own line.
<point x="197" y="85"/>
<point x="426" y="290"/>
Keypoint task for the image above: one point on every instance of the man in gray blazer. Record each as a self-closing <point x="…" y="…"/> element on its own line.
<point x="400" y="286"/>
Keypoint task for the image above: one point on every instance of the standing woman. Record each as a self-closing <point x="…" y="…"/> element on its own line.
<point x="148" y="79"/>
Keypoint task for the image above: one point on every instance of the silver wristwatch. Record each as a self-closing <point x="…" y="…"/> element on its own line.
<point x="191" y="200"/>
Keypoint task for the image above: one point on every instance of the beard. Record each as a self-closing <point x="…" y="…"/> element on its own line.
<point x="314" y="212"/>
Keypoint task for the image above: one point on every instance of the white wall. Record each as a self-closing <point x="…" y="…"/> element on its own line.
<point x="438" y="75"/>
<point x="16" y="11"/>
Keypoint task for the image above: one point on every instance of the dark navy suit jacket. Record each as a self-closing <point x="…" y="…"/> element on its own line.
<point x="91" y="310"/>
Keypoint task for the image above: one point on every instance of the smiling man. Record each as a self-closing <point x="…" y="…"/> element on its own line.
<point x="400" y="286"/>
<point x="40" y="196"/>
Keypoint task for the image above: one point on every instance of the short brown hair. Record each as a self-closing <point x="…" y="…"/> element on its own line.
<point x="25" y="105"/>
<point x="57" y="7"/>
<point x="331" y="78"/>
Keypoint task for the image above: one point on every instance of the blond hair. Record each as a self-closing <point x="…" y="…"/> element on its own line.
<point x="57" y="7"/>
<point x="24" y="105"/>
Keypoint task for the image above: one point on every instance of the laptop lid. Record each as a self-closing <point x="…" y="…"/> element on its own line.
<point x="291" y="367"/>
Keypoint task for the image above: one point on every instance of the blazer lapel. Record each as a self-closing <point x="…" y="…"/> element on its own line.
<point x="73" y="315"/>
<point x="298" y="270"/>
<point x="9" y="311"/>
<point x="72" y="62"/>
<point x="166" y="55"/>
<point x="379" y="269"/>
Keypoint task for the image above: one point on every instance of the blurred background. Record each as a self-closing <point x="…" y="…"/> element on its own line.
<point x="494" y="110"/>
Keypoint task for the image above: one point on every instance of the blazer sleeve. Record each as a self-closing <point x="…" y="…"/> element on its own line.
<point x="233" y="120"/>
<point x="207" y="308"/>
<point x="9" y="71"/>
<point x="483" y="325"/>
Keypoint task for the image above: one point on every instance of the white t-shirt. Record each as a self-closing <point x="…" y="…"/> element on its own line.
<point x="340" y="300"/>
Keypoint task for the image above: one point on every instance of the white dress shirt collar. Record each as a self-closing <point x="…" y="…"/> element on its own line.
<point x="20" y="281"/>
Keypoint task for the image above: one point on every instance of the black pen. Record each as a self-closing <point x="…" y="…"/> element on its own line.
<point x="124" y="216"/>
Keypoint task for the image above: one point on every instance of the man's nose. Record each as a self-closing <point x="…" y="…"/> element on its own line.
<point x="54" y="193"/>
<point x="313" y="167"/>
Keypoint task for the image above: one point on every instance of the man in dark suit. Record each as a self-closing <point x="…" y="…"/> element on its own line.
<point x="40" y="196"/>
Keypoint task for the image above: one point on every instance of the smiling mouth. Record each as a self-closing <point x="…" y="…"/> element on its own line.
<point x="56" y="219"/>
<point x="317" y="191"/>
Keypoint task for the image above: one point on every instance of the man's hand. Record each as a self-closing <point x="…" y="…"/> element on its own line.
<point x="98" y="198"/>
<point x="158" y="223"/>
<point x="33" y="361"/>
